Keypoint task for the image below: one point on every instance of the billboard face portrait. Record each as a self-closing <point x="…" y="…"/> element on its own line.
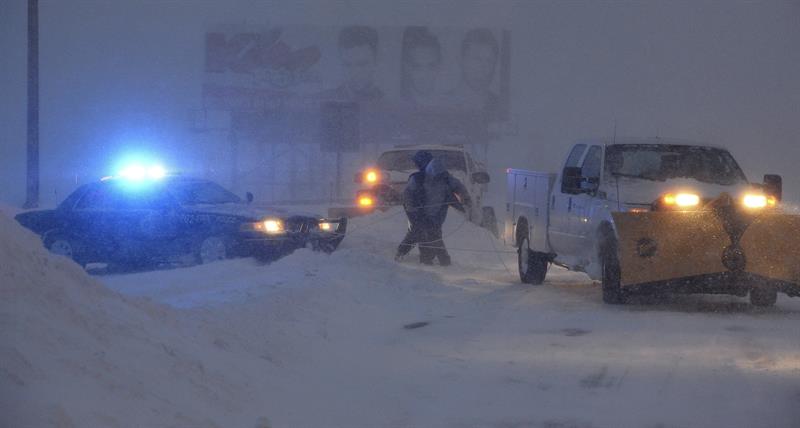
<point x="421" y="63"/>
<point x="480" y="52"/>
<point x="412" y="83"/>
<point x="358" y="52"/>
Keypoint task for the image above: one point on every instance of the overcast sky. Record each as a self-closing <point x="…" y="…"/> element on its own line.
<point x="726" y="72"/>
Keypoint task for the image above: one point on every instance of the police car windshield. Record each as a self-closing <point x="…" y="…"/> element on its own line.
<point x="661" y="162"/>
<point x="202" y="192"/>
<point x="401" y="160"/>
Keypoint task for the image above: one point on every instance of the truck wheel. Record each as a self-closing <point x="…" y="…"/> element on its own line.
<point x="489" y="221"/>
<point x="64" y="246"/>
<point x="532" y="267"/>
<point x="612" y="290"/>
<point x="211" y="249"/>
<point x="763" y="296"/>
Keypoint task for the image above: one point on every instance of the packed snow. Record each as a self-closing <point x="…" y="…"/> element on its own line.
<point x="357" y="339"/>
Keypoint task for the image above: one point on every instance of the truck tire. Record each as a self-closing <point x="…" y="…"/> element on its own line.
<point x="763" y="296"/>
<point x="532" y="266"/>
<point x="612" y="290"/>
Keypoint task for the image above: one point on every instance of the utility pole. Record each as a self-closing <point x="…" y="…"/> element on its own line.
<point x="32" y="188"/>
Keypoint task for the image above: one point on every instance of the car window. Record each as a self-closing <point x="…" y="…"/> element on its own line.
<point x="663" y="162"/>
<point x="122" y="196"/>
<point x="401" y="160"/>
<point x="96" y="198"/>
<point x="592" y="163"/>
<point x="575" y="155"/>
<point x="202" y="192"/>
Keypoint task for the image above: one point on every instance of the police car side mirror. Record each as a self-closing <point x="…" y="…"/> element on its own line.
<point x="249" y="197"/>
<point x="773" y="184"/>
<point x="480" y="177"/>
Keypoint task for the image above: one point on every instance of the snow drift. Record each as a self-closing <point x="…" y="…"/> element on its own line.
<point x="74" y="353"/>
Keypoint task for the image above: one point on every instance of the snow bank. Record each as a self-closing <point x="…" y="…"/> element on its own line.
<point x="74" y="353"/>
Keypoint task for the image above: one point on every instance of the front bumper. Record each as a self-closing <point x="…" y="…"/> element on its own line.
<point x="709" y="251"/>
<point x="300" y="235"/>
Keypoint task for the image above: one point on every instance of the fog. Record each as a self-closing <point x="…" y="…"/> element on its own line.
<point x="116" y="75"/>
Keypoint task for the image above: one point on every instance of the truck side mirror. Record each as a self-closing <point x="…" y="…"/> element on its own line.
<point x="249" y="197"/>
<point x="773" y="184"/>
<point x="571" y="180"/>
<point x="480" y="177"/>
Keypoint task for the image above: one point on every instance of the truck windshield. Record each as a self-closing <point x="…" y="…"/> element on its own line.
<point x="661" y="162"/>
<point x="401" y="160"/>
<point x="202" y="192"/>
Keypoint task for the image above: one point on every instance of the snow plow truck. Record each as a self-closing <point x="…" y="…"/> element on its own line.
<point x="652" y="216"/>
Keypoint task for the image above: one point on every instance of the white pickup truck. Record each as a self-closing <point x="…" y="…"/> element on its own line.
<point x="385" y="179"/>
<point x="652" y="215"/>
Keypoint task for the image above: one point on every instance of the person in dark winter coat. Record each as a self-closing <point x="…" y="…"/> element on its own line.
<point x="414" y="203"/>
<point x="441" y="190"/>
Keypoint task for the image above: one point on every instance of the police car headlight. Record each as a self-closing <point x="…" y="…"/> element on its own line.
<point x="270" y="225"/>
<point x="273" y="226"/>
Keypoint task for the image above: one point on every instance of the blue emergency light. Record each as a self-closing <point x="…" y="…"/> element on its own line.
<point x="139" y="172"/>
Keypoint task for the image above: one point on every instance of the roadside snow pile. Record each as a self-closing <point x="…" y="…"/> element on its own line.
<point x="74" y="353"/>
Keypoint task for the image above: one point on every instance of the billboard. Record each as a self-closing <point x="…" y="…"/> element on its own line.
<point x="346" y="89"/>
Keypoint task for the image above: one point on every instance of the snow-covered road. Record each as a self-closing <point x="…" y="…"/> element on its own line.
<point x="355" y="339"/>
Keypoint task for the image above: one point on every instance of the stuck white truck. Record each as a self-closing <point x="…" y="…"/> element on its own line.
<point x="385" y="180"/>
<point x="652" y="215"/>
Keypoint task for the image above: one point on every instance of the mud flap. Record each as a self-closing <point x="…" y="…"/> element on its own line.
<point x="659" y="246"/>
<point x="772" y="249"/>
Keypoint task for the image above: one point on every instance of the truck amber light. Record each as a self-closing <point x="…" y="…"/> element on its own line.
<point x="371" y="176"/>
<point x="681" y="200"/>
<point x="756" y="201"/>
<point x="365" y="201"/>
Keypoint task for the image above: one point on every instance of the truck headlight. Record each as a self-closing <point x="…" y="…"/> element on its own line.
<point x="365" y="201"/>
<point x="325" y="226"/>
<point x="371" y="176"/>
<point x="681" y="200"/>
<point x="758" y="201"/>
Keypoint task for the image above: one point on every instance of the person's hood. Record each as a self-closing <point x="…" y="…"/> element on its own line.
<point x="434" y="168"/>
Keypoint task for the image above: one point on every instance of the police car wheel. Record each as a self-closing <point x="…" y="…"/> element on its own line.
<point x="763" y="296"/>
<point x="63" y="246"/>
<point x="212" y="249"/>
<point x="532" y="268"/>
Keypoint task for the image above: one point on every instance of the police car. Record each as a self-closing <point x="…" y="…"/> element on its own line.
<point x="149" y="218"/>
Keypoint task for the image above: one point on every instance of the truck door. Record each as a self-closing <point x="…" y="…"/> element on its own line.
<point x="563" y="239"/>
<point x="585" y="204"/>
